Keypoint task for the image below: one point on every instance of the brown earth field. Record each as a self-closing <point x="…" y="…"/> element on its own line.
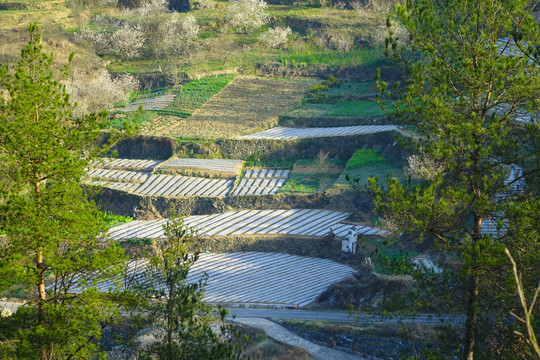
<point x="246" y="105"/>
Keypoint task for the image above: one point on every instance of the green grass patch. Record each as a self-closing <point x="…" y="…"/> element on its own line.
<point x="118" y="121"/>
<point x="364" y="157"/>
<point x="194" y="94"/>
<point x="353" y="88"/>
<point x="360" y="108"/>
<point x="308" y="183"/>
<point x="310" y="55"/>
<point x="356" y="108"/>
<point x="113" y="220"/>
<point x="394" y="262"/>
<point x="360" y="175"/>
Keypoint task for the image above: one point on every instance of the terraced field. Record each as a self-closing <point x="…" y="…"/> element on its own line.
<point x="261" y="182"/>
<point x="155" y="103"/>
<point x="298" y="222"/>
<point x="118" y="175"/>
<point x="216" y="165"/>
<point x="284" y="133"/>
<point x="245" y="105"/>
<point x="115" y="185"/>
<point x="126" y="164"/>
<point x="170" y="185"/>
<point x="256" y="279"/>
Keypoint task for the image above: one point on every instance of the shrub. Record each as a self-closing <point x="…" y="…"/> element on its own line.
<point x="275" y="37"/>
<point x="127" y="41"/>
<point x="394" y="262"/>
<point x="248" y="14"/>
<point x="102" y="91"/>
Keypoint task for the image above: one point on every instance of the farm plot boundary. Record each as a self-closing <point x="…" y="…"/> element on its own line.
<point x="356" y="202"/>
<point x="245" y="105"/>
<point x="256" y="279"/>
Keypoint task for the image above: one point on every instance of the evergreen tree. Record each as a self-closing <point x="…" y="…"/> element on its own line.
<point x="472" y="95"/>
<point x="173" y="309"/>
<point x="52" y="229"/>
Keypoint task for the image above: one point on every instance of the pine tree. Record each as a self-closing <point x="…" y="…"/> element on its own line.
<point x="472" y="95"/>
<point x="173" y="308"/>
<point x="52" y="229"/>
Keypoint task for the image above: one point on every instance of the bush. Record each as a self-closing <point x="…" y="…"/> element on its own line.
<point x="93" y="94"/>
<point x="394" y="262"/>
<point x="248" y="14"/>
<point x="275" y="37"/>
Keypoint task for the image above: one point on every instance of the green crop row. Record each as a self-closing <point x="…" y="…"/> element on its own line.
<point x="194" y="94"/>
<point x="364" y="157"/>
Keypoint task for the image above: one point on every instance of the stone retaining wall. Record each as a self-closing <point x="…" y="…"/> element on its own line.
<point x="355" y="202"/>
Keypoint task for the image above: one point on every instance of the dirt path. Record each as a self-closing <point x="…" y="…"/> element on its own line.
<point x="279" y="333"/>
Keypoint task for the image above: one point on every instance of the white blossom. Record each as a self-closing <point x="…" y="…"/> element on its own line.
<point x="127" y="41"/>
<point x="248" y="14"/>
<point x="5" y="312"/>
<point x="178" y="34"/>
<point x="153" y="7"/>
<point x="275" y="37"/>
<point x="99" y="91"/>
<point x="423" y="167"/>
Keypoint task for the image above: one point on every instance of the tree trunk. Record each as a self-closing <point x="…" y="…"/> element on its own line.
<point x="472" y="301"/>
<point x="42" y="295"/>
<point x="472" y="317"/>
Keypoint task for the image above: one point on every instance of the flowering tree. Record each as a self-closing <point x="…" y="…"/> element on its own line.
<point x="99" y="91"/>
<point x="275" y="37"/>
<point x="248" y="15"/>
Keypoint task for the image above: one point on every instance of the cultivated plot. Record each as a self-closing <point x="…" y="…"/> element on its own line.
<point x="158" y="185"/>
<point x="126" y="164"/>
<point x="118" y="175"/>
<point x="298" y="222"/>
<point x="217" y="165"/>
<point x="155" y="103"/>
<point x="171" y="185"/>
<point x="245" y="105"/>
<point x="115" y="185"/>
<point x="261" y="182"/>
<point x="251" y="278"/>
<point x="284" y="133"/>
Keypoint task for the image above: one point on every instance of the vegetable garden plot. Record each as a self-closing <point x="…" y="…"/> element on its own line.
<point x="126" y="164"/>
<point x="253" y="278"/>
<point x="283" y="133"/>
<point x="170" y="185"/>
<point x="300" y="222"/>
<point x="115" y="185"/>
<point x="155" y="103"/>
<point x="261" y="182"/>
<point x="245" y="105"/>
<point x="118" y="175"/>
<point x="220" y="165"/>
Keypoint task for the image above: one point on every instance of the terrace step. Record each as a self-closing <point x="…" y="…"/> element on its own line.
<point x="284" y="133"/>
